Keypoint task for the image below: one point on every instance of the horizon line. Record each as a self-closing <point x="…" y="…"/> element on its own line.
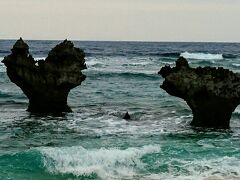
<point x="143" y="41"/>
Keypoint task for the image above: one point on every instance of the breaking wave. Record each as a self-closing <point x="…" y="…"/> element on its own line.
<point x="236" y="64"/>
<point x="137" y="64"/>
<point x="35" y="58"/>
<point x="105" y="163"/>
<point x="93" y="63"/>
<point x="129" y="163"/>
<point x="206" y="56"/>
<point x="2" y="67"/>
<point x="39" y="58"/>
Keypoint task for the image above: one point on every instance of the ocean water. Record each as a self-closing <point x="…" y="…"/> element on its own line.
<point x="94" y="142"/>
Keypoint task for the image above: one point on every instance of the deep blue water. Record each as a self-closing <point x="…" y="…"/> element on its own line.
<point x="94" y="142"/>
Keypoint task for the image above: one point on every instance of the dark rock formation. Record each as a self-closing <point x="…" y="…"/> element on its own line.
<point x="46" y="83"/>
<point x="212" y="93"/>
<point x="127" y="116"/>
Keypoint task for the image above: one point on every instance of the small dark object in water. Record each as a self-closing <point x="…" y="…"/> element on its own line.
<point x="212" y="93"/>
<point x="46" y="83"/>
<point x="127" y="116"/>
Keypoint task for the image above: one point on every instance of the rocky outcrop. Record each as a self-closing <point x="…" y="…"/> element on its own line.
<point x="46" y="83"/>
<point x="127" y="116"/>
<point x="212" y="93"/>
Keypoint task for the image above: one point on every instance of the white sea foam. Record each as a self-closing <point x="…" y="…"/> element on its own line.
<point x="2" y="67"/>
<point x="93" y="62"/>
<point x="35" y="58"/>
<point x="106" y="163"/>
<point x="137" y="64"/>
<point x="236" y="64"/>
<point x="39" y="58"/>
<point x="203" y="56"/>
<point x="204" y="169"/>
<point x="169" y="63"/>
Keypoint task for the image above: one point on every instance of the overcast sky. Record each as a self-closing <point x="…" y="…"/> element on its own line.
<point x="138" y="20"/>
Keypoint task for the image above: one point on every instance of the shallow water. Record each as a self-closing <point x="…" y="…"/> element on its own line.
<point x="94" y="142"/>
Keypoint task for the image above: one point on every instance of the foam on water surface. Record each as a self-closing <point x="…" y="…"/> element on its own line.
<point x="95" y="142"/>
<point x="106" y="163"/>
<point x="203" y="169"/>
<point x="2" y="67"/>
<point x="201" y="56"/>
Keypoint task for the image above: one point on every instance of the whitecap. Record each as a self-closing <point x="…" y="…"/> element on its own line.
<point x="137" y="64"/>
<point x="205" y="56"/>
<point x="166" y="62"/>
<point x="93" y="62"/>
<point x="2" y="67"/>
<point x="202" y="169"/>
<point x="39" y="58"/>
<point x="36" y="58"/>
<point x="106" y="163"/>
<point x="236" y="64"/>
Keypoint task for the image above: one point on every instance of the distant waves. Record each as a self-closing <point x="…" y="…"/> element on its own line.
<point x="200" y="55"/>
<point x="205" y="56"/>
<point x="186" y="54"/>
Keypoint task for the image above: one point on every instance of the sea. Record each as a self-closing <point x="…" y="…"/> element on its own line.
<point x="95" y="142"/>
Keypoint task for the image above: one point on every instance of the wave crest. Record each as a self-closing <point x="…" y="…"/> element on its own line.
<point x="206" y="56"/>
<point x="106" y="163"/>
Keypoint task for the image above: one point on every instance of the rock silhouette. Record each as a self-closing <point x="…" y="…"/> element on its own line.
<point x="211" y="93"/>
<point x="127" y="116"/>
<point x="46" y="83"/>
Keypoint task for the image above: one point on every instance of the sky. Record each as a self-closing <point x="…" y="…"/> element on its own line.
<point x="121" y="20"/>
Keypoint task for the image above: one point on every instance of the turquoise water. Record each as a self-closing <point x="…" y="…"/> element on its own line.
<point x="94" y="142"/>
